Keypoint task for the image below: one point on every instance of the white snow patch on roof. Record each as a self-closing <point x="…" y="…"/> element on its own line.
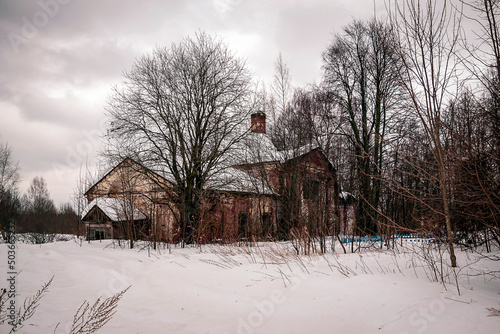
<point x="232" y="179"/>
<point x="117" y="209"/>
<point x="255" y="148"/>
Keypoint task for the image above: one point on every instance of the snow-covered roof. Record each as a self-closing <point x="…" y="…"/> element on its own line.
<point x="256" y="148"/>
<point x="294" y="153"/>
<point x="117" y="209"/>
<point x="233" y="179"/>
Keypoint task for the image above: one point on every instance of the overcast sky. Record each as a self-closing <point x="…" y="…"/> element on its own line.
<point x="60" y="58"/>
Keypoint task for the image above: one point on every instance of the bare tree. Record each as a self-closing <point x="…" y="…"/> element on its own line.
<point x="360" y="71"/>
<point x="180" y="112"/>
<point x="475" y="201"/>
<point x="483" y="147"/>
<point x="429" y="35"/>
<point x="128" y="186"/>
<point x="78" y="200"/>
<point x="9" y="193"/>
<point x="282" y="84"/>
<point x="485" y="63"/>
<point x="67" y="219"/>
<point x="38" y="195"/>
<point x="281" y="94"/>
<point x="39" y="212"/>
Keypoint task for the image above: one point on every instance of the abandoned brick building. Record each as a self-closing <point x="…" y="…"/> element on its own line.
<point x="267" y="194"/>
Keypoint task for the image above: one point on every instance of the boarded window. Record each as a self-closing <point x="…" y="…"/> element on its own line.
<point x="310" y="189"/>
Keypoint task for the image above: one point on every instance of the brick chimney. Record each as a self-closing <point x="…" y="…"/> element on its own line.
<point x="258" y="122"/>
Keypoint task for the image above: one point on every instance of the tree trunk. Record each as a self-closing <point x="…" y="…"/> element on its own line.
<point x="446" y="207"/>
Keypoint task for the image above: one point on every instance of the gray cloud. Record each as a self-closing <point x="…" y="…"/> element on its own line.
<point x="59" y="59"/>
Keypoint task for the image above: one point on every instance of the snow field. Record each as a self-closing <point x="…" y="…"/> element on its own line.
<point x="261" y="289"/>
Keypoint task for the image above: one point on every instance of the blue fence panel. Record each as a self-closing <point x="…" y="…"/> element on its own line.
<point x="411" y="237"/>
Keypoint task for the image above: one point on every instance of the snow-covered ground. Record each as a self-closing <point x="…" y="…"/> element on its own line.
<point x="264" y="289"/>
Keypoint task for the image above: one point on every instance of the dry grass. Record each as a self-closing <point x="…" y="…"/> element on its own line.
<point x="89" y="319"/>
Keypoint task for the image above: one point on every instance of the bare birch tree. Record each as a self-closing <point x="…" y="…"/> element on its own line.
<point x="281" y="94"/>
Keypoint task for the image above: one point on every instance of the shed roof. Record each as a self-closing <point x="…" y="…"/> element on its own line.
<point x="116" y="209"/>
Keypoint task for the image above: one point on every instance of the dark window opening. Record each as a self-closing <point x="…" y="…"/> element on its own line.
<point x="99" y="235"/>
<point x="310" y="189"/>
<point x="242" y="224"/>
<point x="266" y="224"/>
